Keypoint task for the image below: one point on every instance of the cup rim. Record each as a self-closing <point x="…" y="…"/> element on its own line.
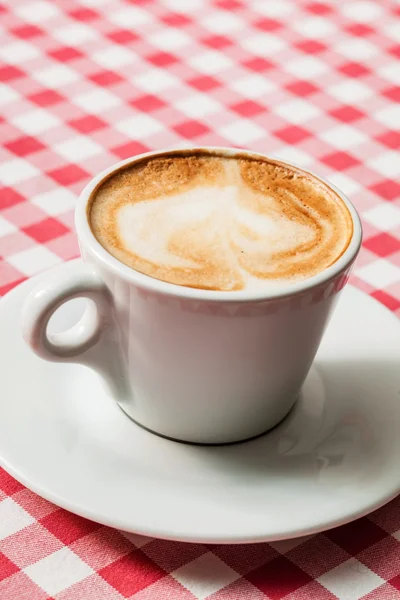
<point x="88" y="240"/>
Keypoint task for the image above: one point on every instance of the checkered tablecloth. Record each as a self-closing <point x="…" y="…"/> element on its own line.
<point x="86" y="83"/>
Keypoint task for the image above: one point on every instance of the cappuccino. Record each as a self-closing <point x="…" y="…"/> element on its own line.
<point x="216" y="222"/>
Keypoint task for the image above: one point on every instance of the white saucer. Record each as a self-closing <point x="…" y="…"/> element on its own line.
<point x="335" y="457"/>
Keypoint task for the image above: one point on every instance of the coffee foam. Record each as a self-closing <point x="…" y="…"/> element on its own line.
<point x="220" y="223"/>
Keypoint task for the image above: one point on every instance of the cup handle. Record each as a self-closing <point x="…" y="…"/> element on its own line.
<point x="48" y="296"/>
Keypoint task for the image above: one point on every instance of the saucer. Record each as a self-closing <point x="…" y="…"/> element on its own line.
<point x="333" y="459"/>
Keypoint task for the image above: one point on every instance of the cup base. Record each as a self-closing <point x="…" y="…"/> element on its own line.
<point x="192" y="443"/>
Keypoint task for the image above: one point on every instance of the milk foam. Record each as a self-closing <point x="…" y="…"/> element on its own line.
<point x="219" y="232"/>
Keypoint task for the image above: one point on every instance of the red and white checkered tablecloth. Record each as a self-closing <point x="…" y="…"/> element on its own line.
<point x="85" y="83"/>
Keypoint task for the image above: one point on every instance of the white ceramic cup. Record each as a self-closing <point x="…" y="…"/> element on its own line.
<point x="190" y="364"/>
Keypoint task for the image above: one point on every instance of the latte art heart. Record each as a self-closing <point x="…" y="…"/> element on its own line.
<point x="220" y="223"/>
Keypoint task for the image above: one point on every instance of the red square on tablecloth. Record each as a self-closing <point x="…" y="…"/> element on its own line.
<point x="87" y="124"/>
<point x="46" y="230"/>
<point x="340" y="160"/>
<point x="191" y="129"/>
<point x="68" y="527"/>
<point x="24" y="145"/>
<point x="46" y="98"/>
<point x="217" y="41"/>
<point x="278" y="578"/>
<point x="302" y="88"/>
<point x="147" y="103"/>
<point x="123" y="36"/>
<point x="66" y="53"/>
<point x="391" y="139"/>
<point x="248" y="108"/>
<point x="68" y="175"/>
<point x="258" y="64"/>
<point x="9" y="197"/>
<point x="129" y="149"/>
<point x="204" y="83"/>
<point x="26" y="32"/>
<point x="132" y="573"/>
<point x="293" y="134"/>
<point x="9" y="73"/>
<point x="7" y="567"/>
<point x="347" y="114"/>
<point x="356" y="536"/>
<point x="8" y="484"/>
<point x="388" y="189"/>
<point x="106" y="78"/>
<point x="382" y="244"/>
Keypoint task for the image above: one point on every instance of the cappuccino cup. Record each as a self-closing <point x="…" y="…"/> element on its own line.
<point x="210" y="275"/>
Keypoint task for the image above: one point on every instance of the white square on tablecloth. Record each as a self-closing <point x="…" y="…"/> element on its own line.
<point x="169" y="39"/>
<point x="386" y="163"/>
<point x="272" y="8"/>
<point x="198" y="105"/>
<point x="113" y="57"/>
<point x="252" y="86"/>
<point x="263" y="43"/>
<point x="390" y="72"/>
<point x="56" y="76"/>
<point x="354" y="48"/>
<point x="96" y="101"/>
<point x="18" y="52"/>
<point x="380" y="273"/>
<point x="130" y="16"/>
<point x="78" y="148"/>
<point x="155" y="80"/>
<point x="6" y="227"/>
<point x="392" y="30"/>
<point x="58" y="571"/>
<point x="294" y="155"/>
<point x="210" y="62"/>
<point x="297" y="111"/>
<point x="242" y="131"/>
<point x="183" y="5"/>
<point x="32" y="261"/>
<point x="74" y="34"/>
<point x="55" y="201"/>
<point x="345" y="184"/>
<point x="139" y="126"/>
<point x="396" y="535"/>
<point x="314" y="27"/>
<point x="136" y="539"/>
<point x="222" y="22"/>
<point x="362" y="11"/>
<point x="16" y="170"/>
<point x="7" y="94"/>
<point x="351" y="580"/>
<point x="35" y="121"/>
<point x="389" y="116"/>
<point x="95" y="3"/>
<point x="344" y="137"/>
<point x="307" y="66"/>
<point x="13" y="518"/>
<point x="205" y="575"/>
<point x="36" y="12"/>
<point x="350" y="91"/>
<point x="385" y="216"/>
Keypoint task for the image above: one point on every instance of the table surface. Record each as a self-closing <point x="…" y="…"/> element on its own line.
<point x="84" y="84"/>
